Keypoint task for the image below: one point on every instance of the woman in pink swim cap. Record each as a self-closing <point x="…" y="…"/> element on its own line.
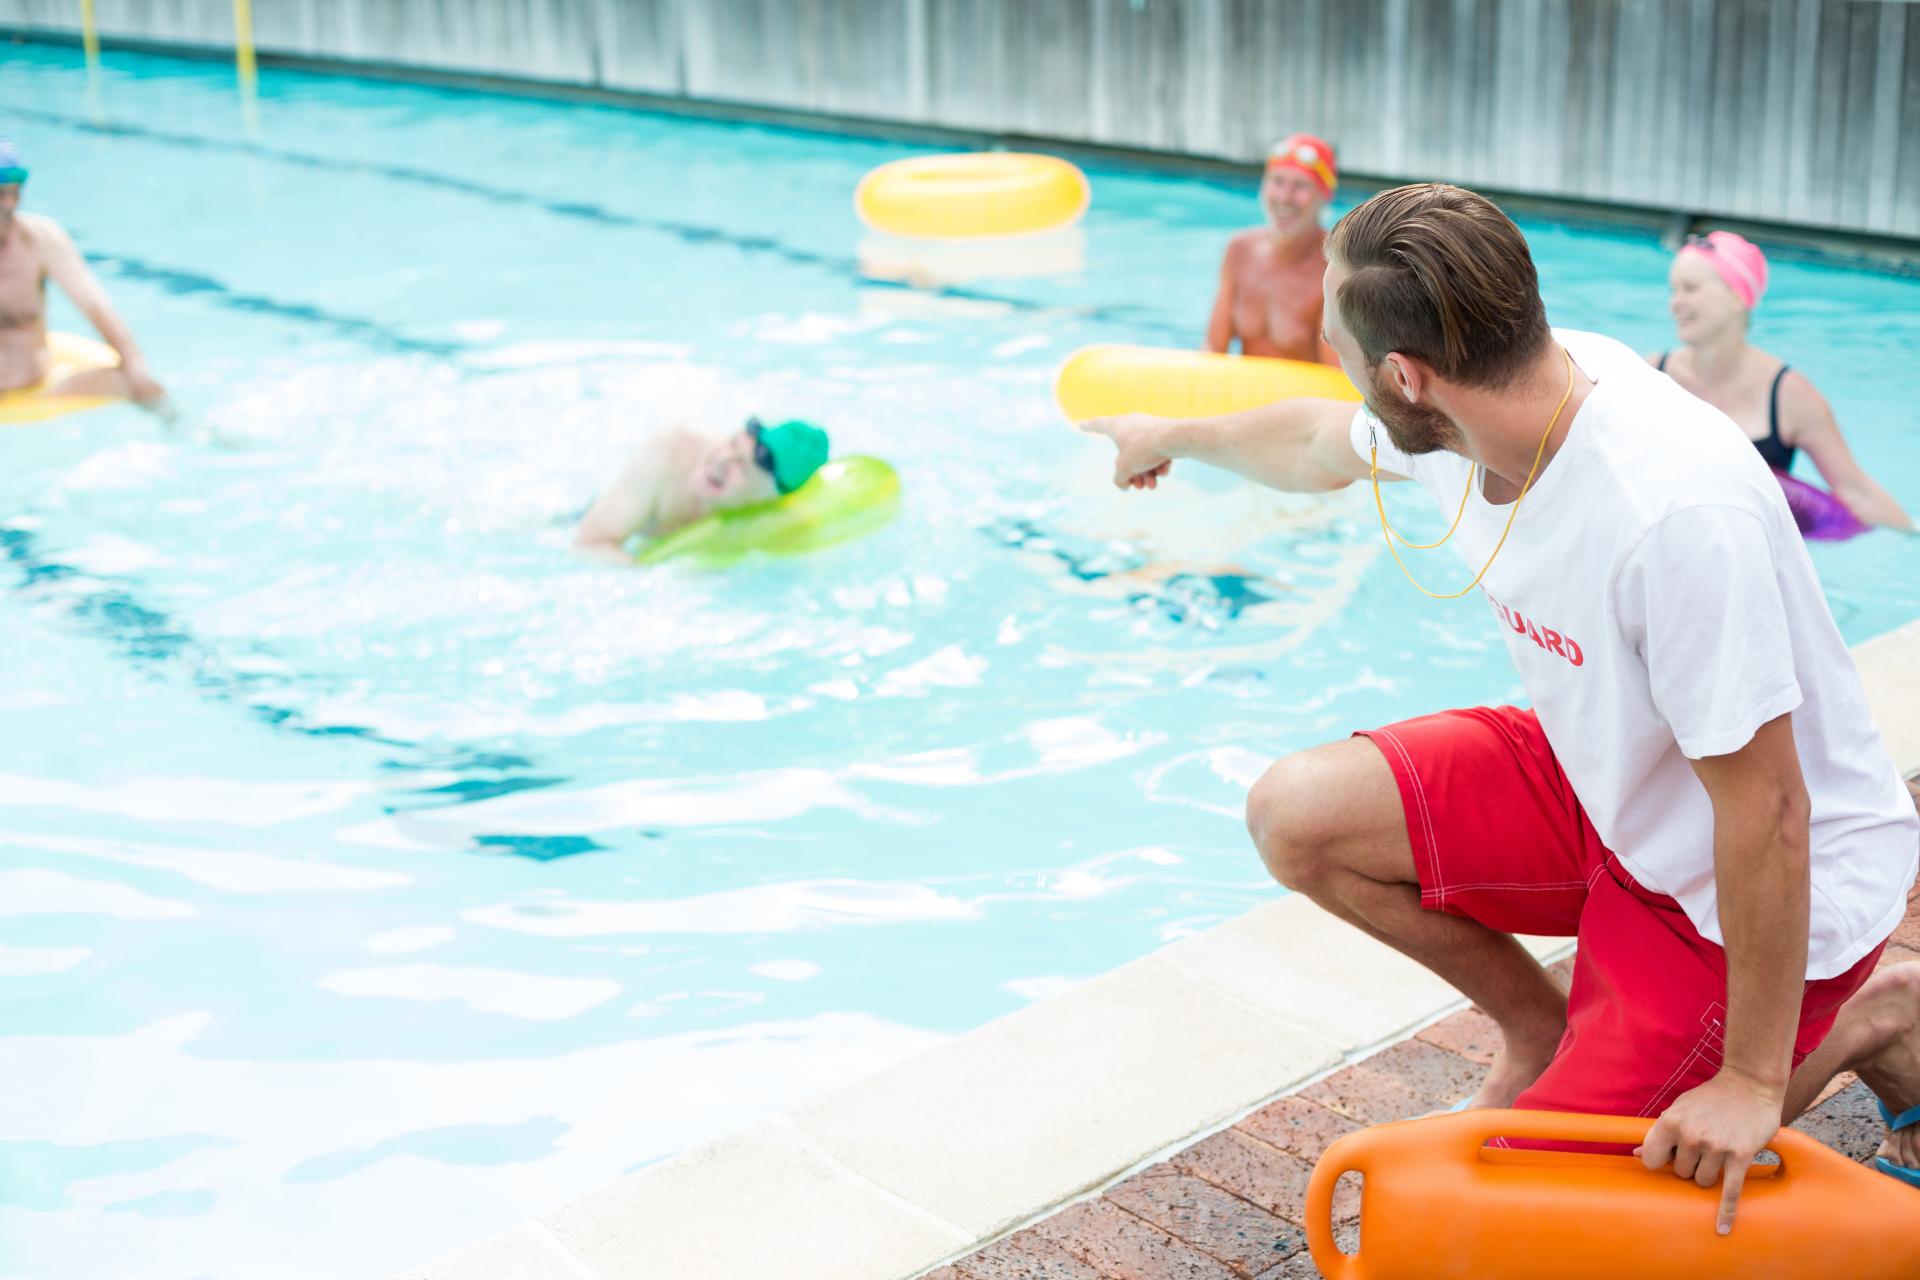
<point x="1713" y="287"/>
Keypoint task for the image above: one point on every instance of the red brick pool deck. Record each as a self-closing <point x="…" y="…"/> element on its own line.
<point x="1229" y="1207"/>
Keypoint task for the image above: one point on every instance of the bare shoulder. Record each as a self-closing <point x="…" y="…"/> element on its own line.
<point x="680" y="440"/>
<point x="674" y="449"/>
<point x="657" y="449"/>
<point x="1797" y="386"/>
<point x="1802" y="408"/>
<point x="41" y="230"/>
<point x="679" y="433"/>
<point x="42" y="234"/>
<point x="1244" y="244"/>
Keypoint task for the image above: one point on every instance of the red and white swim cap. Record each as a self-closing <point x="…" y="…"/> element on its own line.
<point x="1311" y="156"/>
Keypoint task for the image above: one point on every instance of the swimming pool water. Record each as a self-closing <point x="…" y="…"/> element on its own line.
<point x="376" y="873"/>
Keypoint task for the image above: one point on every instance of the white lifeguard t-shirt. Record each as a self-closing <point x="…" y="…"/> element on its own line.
<point x="1660" y="606"/>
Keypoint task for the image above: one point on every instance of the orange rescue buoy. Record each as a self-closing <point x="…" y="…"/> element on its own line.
<point x="1438" y="1204"/>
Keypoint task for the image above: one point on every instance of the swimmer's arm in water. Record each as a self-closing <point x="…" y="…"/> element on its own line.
<point x="61" y="260"/>
<point x="1298" y="446"/>
<point x="1808" y="423"/>
<point x="1220" y="323"/>
<point x="1327" y="355"/>
<point x="624" y="508"/>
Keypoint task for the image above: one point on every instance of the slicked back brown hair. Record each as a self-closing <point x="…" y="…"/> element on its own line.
<point x="1438" y="273"/>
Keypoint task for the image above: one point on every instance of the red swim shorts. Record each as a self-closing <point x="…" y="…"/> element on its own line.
<point x="1499" y="837"/>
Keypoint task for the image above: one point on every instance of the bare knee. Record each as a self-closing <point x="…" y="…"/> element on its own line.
<point x="1329" y="813"/>
<point x="1892" y="1000"/>
<point x="1293" y="823"/>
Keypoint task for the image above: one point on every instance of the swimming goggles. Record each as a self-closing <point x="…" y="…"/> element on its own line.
<point x="762" y="456"/>
<point x="1706" y="245"/>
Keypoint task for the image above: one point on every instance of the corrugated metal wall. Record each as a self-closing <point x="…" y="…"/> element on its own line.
<point x="1795" y="111"/>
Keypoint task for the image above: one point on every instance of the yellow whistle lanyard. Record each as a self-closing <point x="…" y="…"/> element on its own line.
<point x="1373" y="450"/>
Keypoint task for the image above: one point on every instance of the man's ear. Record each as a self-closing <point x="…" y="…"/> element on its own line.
<point x="1406" y="375"/>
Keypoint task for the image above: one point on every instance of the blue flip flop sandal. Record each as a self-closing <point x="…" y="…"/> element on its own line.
<point x="1455" y="1109"/>
<point x="1905" y="1120"/>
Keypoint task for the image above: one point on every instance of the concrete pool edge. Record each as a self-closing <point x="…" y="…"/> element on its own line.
<point x="924" y="1162"/>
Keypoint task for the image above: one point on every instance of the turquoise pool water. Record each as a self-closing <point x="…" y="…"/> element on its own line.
<point x="376" y="874"/>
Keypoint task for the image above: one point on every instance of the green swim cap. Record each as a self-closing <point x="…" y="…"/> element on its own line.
<point x="790" y="451"/>
<point x="12" y="168"/>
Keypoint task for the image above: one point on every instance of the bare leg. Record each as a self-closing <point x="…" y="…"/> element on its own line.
<point x="1329" y="824"/>
<point x="91" y="382"/>
<point x="110" y="382"/>
<point x="1878" y="1035"/>
<point x="114" y="382"/>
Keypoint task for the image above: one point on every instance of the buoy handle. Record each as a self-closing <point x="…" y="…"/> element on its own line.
<point x="1334" y="1164"/>
<point x="1475" y="1128"/>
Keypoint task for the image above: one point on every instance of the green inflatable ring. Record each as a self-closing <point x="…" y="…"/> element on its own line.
<point x="843" y="500"/>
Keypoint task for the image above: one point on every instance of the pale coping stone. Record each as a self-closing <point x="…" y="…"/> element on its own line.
<point x="1294" y="960"/>
<point x="1047" y="1102"/>
<point x="528" y="1252"/>
<point x="1890" y="667"/>
<point x="759" y="1202"/>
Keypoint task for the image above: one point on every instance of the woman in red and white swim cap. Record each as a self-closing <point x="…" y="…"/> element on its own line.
<point x="1714" y="285"/>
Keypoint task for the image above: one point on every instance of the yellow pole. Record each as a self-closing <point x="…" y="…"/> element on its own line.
<point x="89" y="35"/>
<point x="90" y="41"/>
<point x="243" y="63"/>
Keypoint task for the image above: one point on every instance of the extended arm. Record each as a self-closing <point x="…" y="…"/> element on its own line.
<point x="1300" y="445"/>
<point x="1809" y="424"/>
<point x="66" y="268"/>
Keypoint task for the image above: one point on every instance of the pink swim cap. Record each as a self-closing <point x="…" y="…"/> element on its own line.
<point x="1737" y="260"/>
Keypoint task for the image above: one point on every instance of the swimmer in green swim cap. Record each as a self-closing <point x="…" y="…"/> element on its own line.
<point x="686" y="474"/>
<point x="33" y="250"/>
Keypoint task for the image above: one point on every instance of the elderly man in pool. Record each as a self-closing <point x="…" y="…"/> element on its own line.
<point x="33" y="249"/>
<point x="685" y="474"/>
<point x="1269" y="295"/>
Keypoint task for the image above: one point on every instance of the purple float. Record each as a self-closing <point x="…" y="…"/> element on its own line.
<point x="1821" y="516"/>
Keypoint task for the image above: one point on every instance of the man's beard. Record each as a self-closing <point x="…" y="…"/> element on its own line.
<point x="1414" y="429"/>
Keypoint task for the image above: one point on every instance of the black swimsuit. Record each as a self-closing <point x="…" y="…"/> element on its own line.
<point x="1777" y="453"/>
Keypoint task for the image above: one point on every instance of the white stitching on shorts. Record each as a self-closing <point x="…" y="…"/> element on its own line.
<point x="1648" y="1107"/>
<point x="1670" y="1090"/>
<point x="1654" y="1104"/>
<point x="1426" y="816"/>
<point x="1710" y="1019"/>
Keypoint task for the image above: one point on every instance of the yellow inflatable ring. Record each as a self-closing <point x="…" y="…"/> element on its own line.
<point x="985" y="193"/>
<point x="71" y="354"/>
<point x="1097" y="382"/>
